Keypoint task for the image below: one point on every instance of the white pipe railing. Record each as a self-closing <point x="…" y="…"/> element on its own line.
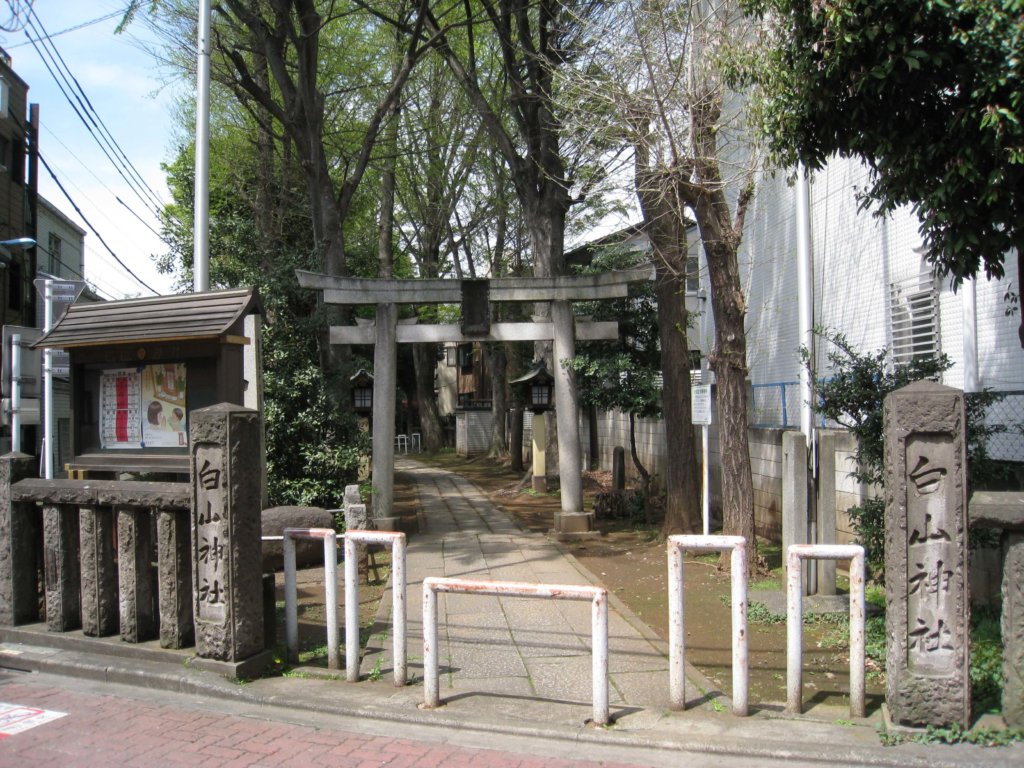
<point x="737" y="545"/>
<point x="599" y="628"/>
<point x="330" y="539"/>
<point x="794" y="620"/>
<point x="398" y="584"/>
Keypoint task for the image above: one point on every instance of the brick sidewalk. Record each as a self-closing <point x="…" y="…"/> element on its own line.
<point x="109" y="730"/>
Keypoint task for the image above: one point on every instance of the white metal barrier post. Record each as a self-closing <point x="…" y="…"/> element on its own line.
<point x="291" y="611"/>
<point x="737" y="545"/>
<point x="398" y="585"/>
<point x="599" y="628"/>
<point x="794" y="620"/>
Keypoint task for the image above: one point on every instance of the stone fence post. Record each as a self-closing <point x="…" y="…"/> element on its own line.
<point x="1005" y="511"/>
<point x="926" y="566"/>
<point x="19" y="534"/>
<point x="227" y="583"/>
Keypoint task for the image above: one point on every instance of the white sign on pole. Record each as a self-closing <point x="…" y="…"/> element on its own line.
<point x="63" y="291"/>
<point x="700" y="404"/>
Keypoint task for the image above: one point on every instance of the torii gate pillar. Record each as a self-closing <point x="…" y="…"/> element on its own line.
<point x="385" y="381"/>
<point x="572" y="520"/>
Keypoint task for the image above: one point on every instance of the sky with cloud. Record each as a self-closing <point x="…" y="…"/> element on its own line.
<point x="128" y="94"/>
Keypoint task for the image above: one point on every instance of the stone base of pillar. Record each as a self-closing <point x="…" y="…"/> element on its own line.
<point x="387" y="523"/>
<point x="540" y="484"/>
<point x="245" y="669"/>
<point x="572" y="526"/>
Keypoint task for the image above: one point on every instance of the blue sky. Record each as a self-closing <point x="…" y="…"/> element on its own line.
<point x="127" y="92"/>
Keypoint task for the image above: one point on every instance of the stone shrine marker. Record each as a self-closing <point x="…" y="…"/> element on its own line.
<point x="926" y="565"/>
<point x="227" y="580"/>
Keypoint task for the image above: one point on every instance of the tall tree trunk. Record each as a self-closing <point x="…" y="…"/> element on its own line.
<point x="499" y="369"/>
<point x="682" y="502"/>
<point x="729" y="362"/>
<point x="425" y="361"/>
<point x="665" y="224"/>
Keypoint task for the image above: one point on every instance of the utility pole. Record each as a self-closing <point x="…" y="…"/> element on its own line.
<point x="201" y="233"/>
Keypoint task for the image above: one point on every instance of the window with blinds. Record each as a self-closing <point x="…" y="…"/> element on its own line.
<point x="914" y="318"/>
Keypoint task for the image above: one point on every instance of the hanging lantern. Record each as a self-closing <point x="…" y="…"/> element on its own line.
<point x="362" y="391"/>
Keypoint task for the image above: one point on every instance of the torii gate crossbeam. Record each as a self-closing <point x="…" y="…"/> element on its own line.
<point x="386" y="333"/>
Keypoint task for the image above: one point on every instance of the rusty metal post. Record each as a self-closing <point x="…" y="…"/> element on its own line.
<point x="431" y="686"/>
<point x="599" y="627"/>
<point x="330" y="540"/>
<point x="737" y="547"/>
<point x="398" y="611"/>
<point x="599" y="668"/>
<point x="794" y="620"/>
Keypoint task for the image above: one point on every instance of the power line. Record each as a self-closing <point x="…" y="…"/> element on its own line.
<point x="102" y="183"/>
<point x="61" y="86"/>
<point x="75" y="28"/>
<point x="87" y="113"/>
<point x="78" y="210"/>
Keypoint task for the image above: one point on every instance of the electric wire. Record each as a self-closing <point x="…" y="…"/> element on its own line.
<point x="85" y="122"/>
<point x="83" y="25"/>
<point x="101" y="182"/>
<point x="85" y="111"/>
<point x="78" y="210"/>
<point x="23" y="127"/>
<point x="36" y="23"/>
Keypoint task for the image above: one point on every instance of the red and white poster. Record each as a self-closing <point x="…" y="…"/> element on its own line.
<point x="120" y="415"/>
<point x="143" y="407"/>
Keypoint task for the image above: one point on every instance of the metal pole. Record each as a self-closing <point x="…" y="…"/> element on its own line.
<point x="16" y="393"/>
<point x="291" y="617"/>
<point x="599" y="639"/>
<point x="331" y="598"/>
<point x="737" y="546"/>
<point x="398" y="587"/>
<point x="740" y="654"/>
<point x="857" y="631"/>
<point x="676" y="628"/>
<point x="431" y="694"/>
<point x="201" y="234"/>
<point x="794" y="616"/>
<point x="805" y="297"/>
<point x="705" y="492"/>
<point x="48" y="384"/>
<point x="351" y="610"/>
<point x="794" y="634"/>
<point x="972" y="379"/>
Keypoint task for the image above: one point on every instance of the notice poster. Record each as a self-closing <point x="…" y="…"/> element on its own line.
<point x="163" y="402"/>
<point x="143" y="407"/>
<point x="120" y="414"/>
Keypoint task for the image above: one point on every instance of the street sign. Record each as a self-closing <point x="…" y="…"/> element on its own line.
<point x="31" y="364"/>
<point x="700" y="404"/>
<point x="62" y="291"/>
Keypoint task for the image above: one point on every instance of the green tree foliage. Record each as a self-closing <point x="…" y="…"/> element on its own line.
<point x="929" y="93"/>
<point x="313" y="448"/>
<point x="852" y="395"/>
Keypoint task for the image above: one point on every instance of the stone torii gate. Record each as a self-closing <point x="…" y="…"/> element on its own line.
<point x="475" y="297"/>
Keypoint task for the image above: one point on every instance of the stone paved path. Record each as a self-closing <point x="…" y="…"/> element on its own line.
<point x="512" y="648"/>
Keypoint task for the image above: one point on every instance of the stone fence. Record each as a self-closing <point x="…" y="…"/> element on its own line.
<point x="80" y="554"/>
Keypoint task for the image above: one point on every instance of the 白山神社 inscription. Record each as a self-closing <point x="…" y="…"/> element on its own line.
<point x="926" y="566"/>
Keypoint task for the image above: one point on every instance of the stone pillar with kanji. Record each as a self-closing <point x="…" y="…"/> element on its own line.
<point x="926" y="556"/>
<point x="226" y="579"/>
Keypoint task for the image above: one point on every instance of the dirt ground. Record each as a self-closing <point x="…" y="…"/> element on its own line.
<point x="630" y="560"/>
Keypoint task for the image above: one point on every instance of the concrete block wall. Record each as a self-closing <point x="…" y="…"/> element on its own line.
<point x="766" y="474"/>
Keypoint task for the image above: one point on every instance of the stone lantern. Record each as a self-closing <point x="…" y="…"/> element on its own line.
<point x="537" y="386"/>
